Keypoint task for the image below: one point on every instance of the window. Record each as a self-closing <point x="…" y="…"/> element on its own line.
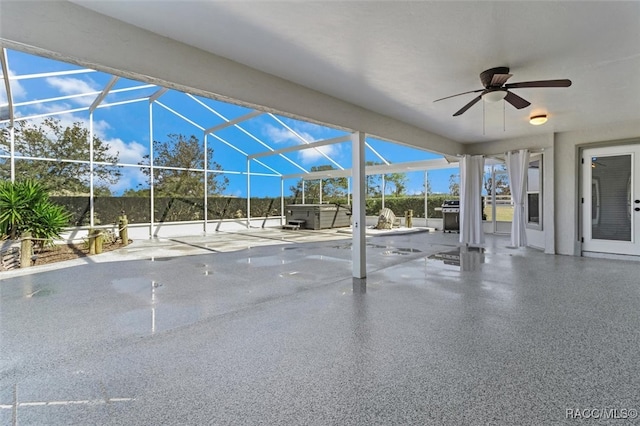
<point x="534" y="193"/>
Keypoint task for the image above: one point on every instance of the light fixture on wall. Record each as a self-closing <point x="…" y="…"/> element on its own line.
<point x="494" y="95"/>
<point x="539" y="119"/>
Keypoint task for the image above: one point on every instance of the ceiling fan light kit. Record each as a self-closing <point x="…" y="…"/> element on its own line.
<point x="539" y="119"/>
<point x="494" y="96"/>
<point x="495" y="89"/>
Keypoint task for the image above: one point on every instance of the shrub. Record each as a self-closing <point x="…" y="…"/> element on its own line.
<point x="25" y="206"/>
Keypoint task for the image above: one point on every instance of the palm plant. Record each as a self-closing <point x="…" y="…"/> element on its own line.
<point x="25" y="206"/>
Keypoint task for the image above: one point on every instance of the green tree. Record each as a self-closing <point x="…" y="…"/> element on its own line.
<point x="397" y="182"/>
<point x="178" y="151"/>
<point x="142" y="192"/>
<point x="501" y="184"/>
<point x="501" y="181"/>
<point x="454" y="184"/>
<point x="373" y="183"/>
<point x="57" y="143"/>
<point x="332" y="188"/>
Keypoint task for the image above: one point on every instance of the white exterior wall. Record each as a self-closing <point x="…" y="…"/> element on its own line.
<point x="561" y="192"/>
<point x="567" y="193"/>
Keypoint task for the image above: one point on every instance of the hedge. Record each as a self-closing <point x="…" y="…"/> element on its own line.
<point x="175" y="209"/>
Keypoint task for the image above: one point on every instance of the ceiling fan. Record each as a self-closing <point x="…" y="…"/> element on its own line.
<point x="495" y="89"/>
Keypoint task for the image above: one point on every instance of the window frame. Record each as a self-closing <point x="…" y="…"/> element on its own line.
<point x="535" y="158"/>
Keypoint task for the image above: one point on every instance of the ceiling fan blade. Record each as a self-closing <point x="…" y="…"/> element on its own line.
<point x="516" y="100"/>
<point x="467" y="106"/>
<point x="541" y="83"/>
<point x="464" y="93"/>
<point x="499" y="79"/>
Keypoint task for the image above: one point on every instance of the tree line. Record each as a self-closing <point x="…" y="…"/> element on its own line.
<point x="65" y="170"/>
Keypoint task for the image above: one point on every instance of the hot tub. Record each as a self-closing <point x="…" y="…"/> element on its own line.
<point x="319" y="216"/>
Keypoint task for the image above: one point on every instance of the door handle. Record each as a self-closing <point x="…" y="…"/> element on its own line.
<point x="637" y="201"/>
<point x="637" y="209"/>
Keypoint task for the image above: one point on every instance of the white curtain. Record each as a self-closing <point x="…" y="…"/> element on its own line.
<point x="517" y="166"/>
<point x="471" y="170"/>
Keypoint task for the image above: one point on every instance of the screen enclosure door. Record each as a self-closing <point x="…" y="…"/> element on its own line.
<point x="611" y="200"/>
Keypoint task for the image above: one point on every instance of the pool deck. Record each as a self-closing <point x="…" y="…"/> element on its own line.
<point x="268" y="327"/>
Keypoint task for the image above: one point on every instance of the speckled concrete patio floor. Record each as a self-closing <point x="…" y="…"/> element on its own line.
<point x="277" y="332"/>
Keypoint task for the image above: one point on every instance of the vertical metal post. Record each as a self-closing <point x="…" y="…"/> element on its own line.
<point x="426" y="195"/>
<point x="358" y="254"/>
<point x="248" y="193"/>
<point x="12" y="139"/>
<point x="281" y="201"/>
<point x="302" y="191"/>
<point x="91" y="207"/>
<point x="4" y="68"/>
<point x="349" y="191"/>
<point x="384" y="189"/>
<point x="320" y="186"/>
<point x="493" y="199"/>
<point x="206" y="184"/>
<point x="151" y="173"/>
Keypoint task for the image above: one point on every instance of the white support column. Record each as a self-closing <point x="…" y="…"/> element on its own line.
<point x="281" y="201"/>
<point x="206" y="185"/>
<point x="248" y="193"/>
<point x="384" y="189"/>
<point x="426" y="195"/>
<point x="359" y="225"/>
<point x="349" y="191"/>
<point x="320" y="187"/>
<point x="151" y="173"/>
<point x="493" y="199"/>
<point x="91" y="207"/>
<point x="302" y="191"/>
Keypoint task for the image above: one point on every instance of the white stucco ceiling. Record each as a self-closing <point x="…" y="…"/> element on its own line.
<point x="395" y="57"/>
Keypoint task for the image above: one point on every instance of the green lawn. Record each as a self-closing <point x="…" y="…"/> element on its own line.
<point x="503" y="213"/>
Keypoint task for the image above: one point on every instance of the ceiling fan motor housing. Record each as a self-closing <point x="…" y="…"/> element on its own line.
<point x="487" y="76"/>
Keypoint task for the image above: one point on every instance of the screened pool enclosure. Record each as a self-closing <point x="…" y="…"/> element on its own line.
<point x="103" y="144"/>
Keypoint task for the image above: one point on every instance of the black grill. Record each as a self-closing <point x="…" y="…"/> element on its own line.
<point x="451" y="216"/>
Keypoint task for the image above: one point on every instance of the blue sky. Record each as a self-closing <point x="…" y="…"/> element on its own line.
<point x="125" y="128"/>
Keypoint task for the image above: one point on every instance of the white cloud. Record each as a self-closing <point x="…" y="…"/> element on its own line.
<point x="312" y="155"/>
<point x="129" y="179"/>
<point x="70" y="85"/>
<point x="282" y="135"/>
<point x="74" y="86"/>
<point x="17" y="91"/>
<point x="127" y="152"/>
<point x="100" y="127"/>
<point x="307" y="127"/>
<point x="45" y="108"/>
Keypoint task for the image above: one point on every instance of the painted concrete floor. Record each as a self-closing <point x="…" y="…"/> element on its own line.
<point x="279" y="333"/>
